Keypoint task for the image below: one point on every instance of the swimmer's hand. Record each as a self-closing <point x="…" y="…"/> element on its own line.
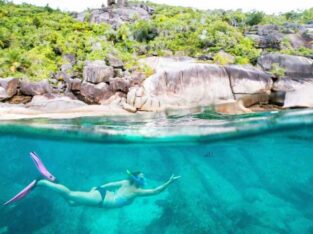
<point x="173" y="178"/>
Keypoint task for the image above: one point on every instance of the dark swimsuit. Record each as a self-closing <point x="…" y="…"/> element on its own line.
<point x="102" y="192"/>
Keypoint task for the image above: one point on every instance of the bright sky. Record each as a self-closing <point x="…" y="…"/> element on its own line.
<point x="269" y="6"/>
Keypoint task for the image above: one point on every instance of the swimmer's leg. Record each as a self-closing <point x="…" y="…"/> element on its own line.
<point x="92" y="198"/>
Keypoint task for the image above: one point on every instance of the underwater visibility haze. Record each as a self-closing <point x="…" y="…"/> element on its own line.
<point x="244" y="174"/>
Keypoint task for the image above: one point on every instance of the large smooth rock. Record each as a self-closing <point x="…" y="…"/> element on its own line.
<point x="3" y="94"/>
<point x="297" y="41"/>
<point x="295" y="66"/>
<point x="190" y="85"/>
<point x="308" y="34"/>
<point x="115" y="62"/>
<point x="291" y="84"/>
<point x="264" y="30"/>
<point x="165" y="63"/>
<point x="269" y="41"/>
<point x="54" y="104"/>
<point x="8" y="87"/>
<point x="92" y="93"/>
<point x="301" y="97"/>
<point x="296" y="91"/>
<point x="35" y="88"/>
<point x="184" y="83"/>
<point x="117" y="16"/>
<point x="137" y="98"/>
<point x="97" y="71"/>
<point x="274" y="36"/>
<point x="248" y="80"/>
<point x="20" y="99"/>
<point x="119" y="84"/>
<point x="74" y="84"/>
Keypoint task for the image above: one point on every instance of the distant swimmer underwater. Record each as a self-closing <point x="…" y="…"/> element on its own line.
<point x="110" y="195"/>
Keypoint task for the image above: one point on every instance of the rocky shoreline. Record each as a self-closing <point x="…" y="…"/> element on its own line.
<point x="108" y="87"/>
<point x="177" y="83"/>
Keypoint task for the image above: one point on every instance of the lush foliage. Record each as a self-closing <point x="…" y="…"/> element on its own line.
<point x="277" y="71"/>
<point x="34" y="40"/>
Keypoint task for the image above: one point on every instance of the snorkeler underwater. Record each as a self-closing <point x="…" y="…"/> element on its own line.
<point x="109" y="195"/>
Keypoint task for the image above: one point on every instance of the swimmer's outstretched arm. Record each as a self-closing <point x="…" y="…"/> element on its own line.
<point x="112" y="184"/>
<point x="161" y="188"/>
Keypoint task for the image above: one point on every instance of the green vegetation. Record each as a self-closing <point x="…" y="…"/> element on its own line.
<point x="34" y="40"/>
<point x="277" y="71"/>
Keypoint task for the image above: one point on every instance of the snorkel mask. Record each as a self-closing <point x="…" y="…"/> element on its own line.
<point x="138" y="180"/>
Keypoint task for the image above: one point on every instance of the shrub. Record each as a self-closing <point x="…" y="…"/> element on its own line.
<point x="255" y="18"/>
<point x="277" y="71"/>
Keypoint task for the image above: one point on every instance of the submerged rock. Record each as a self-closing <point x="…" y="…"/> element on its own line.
<point x="235" y="107"/>
<point x="271" y="211"/>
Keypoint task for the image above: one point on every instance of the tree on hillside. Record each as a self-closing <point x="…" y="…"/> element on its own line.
<point x="120" y="3"/>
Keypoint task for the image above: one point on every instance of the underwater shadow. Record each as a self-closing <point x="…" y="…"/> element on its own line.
<point x="27" y="215"/>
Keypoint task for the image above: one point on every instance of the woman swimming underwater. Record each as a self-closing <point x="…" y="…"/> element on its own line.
<point x="110" y="195"/>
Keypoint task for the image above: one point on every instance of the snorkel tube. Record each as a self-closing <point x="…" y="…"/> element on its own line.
<point x="139" y="181"/>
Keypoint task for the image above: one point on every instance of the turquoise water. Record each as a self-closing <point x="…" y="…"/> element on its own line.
<point x="246" y="174"/>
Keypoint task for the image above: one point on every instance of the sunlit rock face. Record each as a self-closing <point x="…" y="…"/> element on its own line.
<point x="91" y="93"/>
<point x="294" y="66"/>
<point x="182" y="83"/>
<point x="33" y="89"/>
<point x="8" y="88"/>
<point x="54" y="104"/>
<point x="290" y="84"/>
<point x="117" y="15"/>
<point x="190" y="85"/>
<point x="275" y="37"/>
<point x="297" y="82"/>
<point x="301" y="97"/>
<point x="97" y="71"/>
<point x="248" y="80"/>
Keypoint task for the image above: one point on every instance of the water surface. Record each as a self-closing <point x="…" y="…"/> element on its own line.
<point x="244" y="174"/>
